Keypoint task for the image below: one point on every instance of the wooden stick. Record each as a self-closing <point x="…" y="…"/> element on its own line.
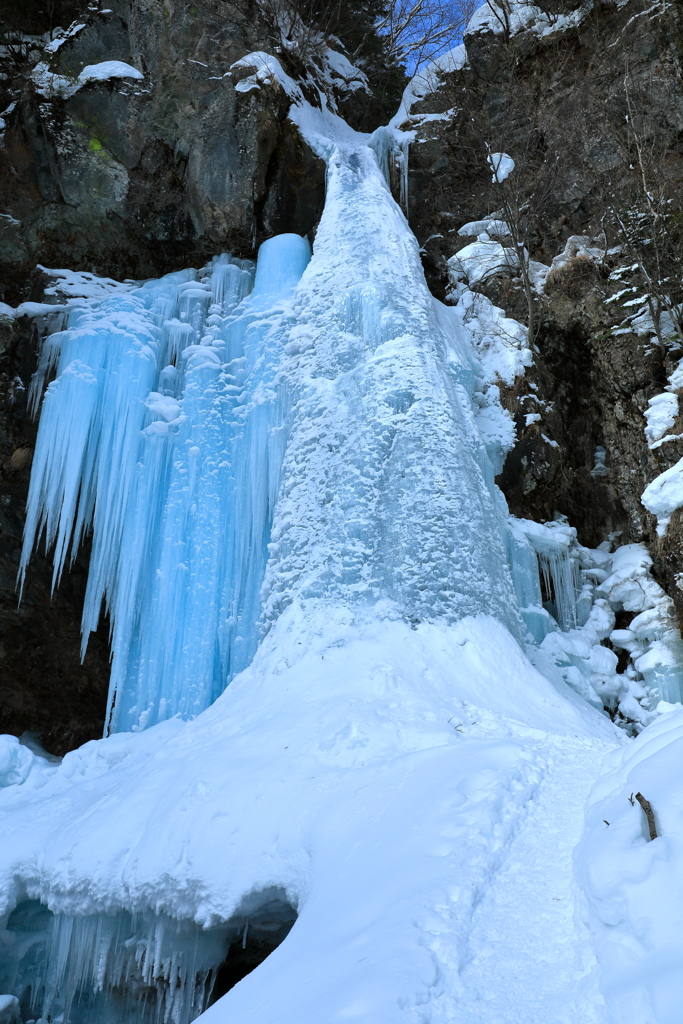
<point x="649" y="814"/>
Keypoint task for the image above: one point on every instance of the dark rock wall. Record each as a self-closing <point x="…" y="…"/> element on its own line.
<point x="126" y="178"/>
<point x="132" y="178"/>
<point x="43" y="685"/>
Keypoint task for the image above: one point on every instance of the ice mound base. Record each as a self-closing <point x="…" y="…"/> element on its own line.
<point x="391" y="781"/>
<point x="288" y="486"/>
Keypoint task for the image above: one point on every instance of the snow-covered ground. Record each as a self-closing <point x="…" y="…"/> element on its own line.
<point x="416" y="793"/>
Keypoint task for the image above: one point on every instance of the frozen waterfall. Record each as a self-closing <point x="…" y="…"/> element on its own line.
<point x="263" y="456"/>
<point x="232" y="448"/>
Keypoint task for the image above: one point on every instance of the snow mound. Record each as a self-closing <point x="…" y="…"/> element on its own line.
<point x="634" y="885"/>
<point x="310" y="775"/>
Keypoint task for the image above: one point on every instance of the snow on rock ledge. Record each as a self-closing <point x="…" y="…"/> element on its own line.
<point x="664" y="495"/>
<point x="428" y="79"/>
<point x="510" y="17"/>
<point x="52" y="86"/>
<point x="266" y="70"/>
<point x="108" y="69"/>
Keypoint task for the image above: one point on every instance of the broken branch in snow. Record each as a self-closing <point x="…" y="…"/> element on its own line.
<point x="649" y="814"/>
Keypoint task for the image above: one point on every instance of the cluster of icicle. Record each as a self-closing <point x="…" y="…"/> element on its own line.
<point x="163" y="434"/>
<point x="145" y="967"/>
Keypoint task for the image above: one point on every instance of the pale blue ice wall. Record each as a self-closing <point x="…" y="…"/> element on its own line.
<point x="164" y="430"/>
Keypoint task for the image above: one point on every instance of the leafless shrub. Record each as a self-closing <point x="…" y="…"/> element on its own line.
<point x="572" y="277"/>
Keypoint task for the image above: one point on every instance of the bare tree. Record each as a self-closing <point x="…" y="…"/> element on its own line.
<point x="631" y="148"/>
<point x="419" y="31"/>
<point x="521" y="207"/>
<point x="649" y="215"/>
<point x="522" y="195"/>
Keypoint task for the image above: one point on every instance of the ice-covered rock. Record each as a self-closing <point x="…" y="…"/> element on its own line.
<point x="9" y="1010"/>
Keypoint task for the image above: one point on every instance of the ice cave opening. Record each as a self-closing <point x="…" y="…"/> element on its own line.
<point x="142" y="968"/>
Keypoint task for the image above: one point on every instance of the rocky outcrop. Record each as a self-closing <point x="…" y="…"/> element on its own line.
<point x="136" y="175"/>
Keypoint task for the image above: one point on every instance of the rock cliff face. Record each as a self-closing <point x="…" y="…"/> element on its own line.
<point x="43" y="685"/>
<point x="134" y="176"/>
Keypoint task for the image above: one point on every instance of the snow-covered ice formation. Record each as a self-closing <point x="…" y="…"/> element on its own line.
<point x="290" y="484"/>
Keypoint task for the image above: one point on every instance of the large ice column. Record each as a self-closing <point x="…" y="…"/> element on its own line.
<point x="167" y="426"/>
<point x="164" y="432"/>
<point x="388" y="493"/>
<point x="201" y="565"/>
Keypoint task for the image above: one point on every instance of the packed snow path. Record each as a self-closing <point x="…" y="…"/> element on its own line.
<point x="530" y="958"/>
<point x="390" y="763"/>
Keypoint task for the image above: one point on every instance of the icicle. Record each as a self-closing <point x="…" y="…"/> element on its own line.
<point x="403" y="156"/>
<point x="560" y="578"/>
<point x="542" y="552"/>
<point x="146" y="968"/>
<point x="392" y="145"/>
<point x="199" y="561"/>
<point x="142" y="968"/>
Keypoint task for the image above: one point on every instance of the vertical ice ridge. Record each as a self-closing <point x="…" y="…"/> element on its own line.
<point x="387" y="490"/>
